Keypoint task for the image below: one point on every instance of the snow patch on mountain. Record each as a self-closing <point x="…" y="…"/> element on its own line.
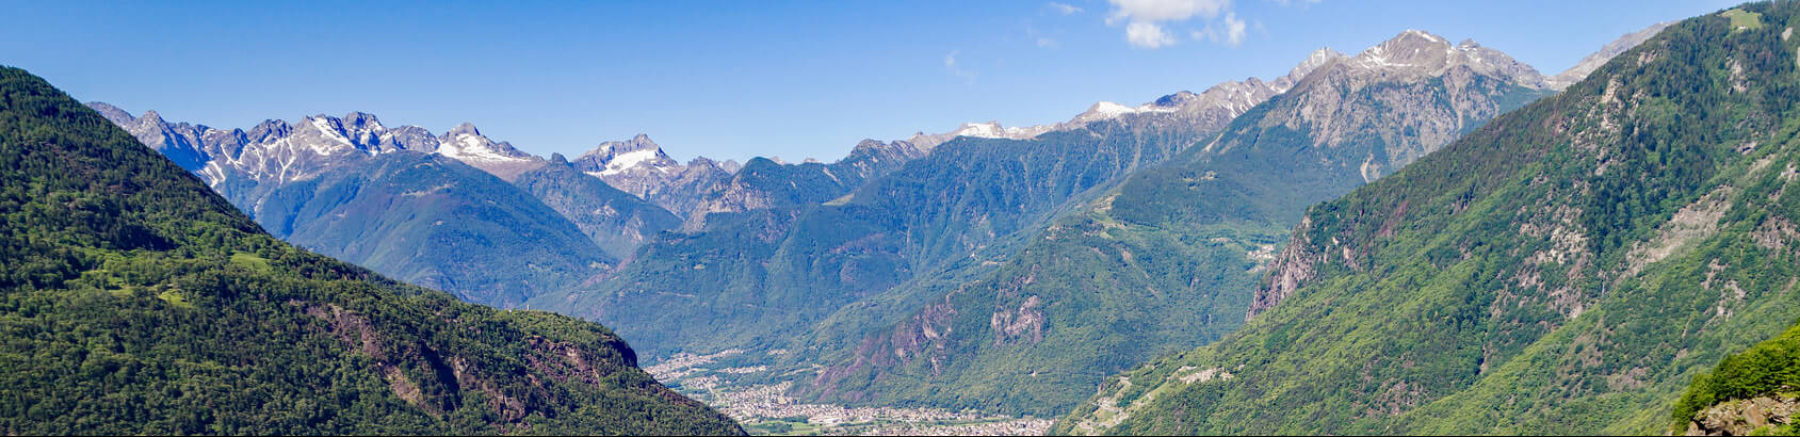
<point x="1211" y="108"/>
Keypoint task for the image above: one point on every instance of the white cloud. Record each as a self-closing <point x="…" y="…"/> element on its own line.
<point x="1148" y="22"/>
<point x="1234" y="30"/>
<point x="1152" y="11"/>
<point x="1064" y="9"/>
<point x="1043" y="42"/>
<point x="1147" y="35"/>
<point x="1145" y="18"/>
<point x="1230" y="31"/>
<point x="956" y="69"/>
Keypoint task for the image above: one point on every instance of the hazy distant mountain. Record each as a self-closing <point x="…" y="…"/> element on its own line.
<point x="1211" y="109"/>
<point x="757" y="277"/>
<point x="764" y="183"/>
<point x="427" y="209"/>
<point x="617" y="221"/>
<point x="1595" y="60"/>
<point x="640" y="167"/>
<point x="276" y="151"/>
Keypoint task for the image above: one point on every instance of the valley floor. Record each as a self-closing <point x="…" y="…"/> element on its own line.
<point x="765" y="409"/>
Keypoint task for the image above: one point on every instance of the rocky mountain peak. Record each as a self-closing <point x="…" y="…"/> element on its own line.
<point x="1207" y="109"/>
<point x="118" y="116"/>
<point x="869" y="147"/>
<point x="466" y="143"/>
<point x="636" y="143"/>
<point x="361" y="120"/>
<point x="1173" y="100"/>
<point x="728" y="166"/>
<point x="465" y="128"/>
<point x="321" y="121"/>
<point x="612" y="159"/>
<point x="1593" y="61"/>
<point x="152" y="118"/>
<point x="608" y="150"/>
<point x="1318" y="58"/>
<point x="269" y="130"/>
<point x="1412" y="48"/>
<point x="1420" y="53"/>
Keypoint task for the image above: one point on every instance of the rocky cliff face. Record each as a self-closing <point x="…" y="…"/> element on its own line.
<point x="1745" y="416"/>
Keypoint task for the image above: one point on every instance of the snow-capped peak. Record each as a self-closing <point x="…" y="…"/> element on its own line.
<point x="621" y="162"/>
<point x="465" y="128"/>
<point x="465" y="143"/>
<point x="990" y="129"/>
<point x="362" y="121"/>
<point x="1215" y="106"/>
<point x="1318" y="58"/>
<point x="1416" y="33"/>
<point x="616" y="157"/>
<point x="1110" y="109"/>
<point x="1416" y="52"/>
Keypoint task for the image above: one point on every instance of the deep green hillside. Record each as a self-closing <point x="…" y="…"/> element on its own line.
<point x="1566" y="269"/>
<point x="133" y="300"/>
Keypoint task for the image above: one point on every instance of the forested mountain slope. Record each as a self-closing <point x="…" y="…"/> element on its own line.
<point x="1166" y="261"/>
<point x="134" y="300"/>
<point x="1565" y="269"/>
<point x="758" y="278"/>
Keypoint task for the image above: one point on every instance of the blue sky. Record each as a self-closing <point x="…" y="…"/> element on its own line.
<point x="734" y="79"/>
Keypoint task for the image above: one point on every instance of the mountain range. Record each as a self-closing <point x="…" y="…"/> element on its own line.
<point x="1143" y="269"/>
<point x="138" y="301"/>
<point x="1568" y="268"/>
<point x="989" y="268"/>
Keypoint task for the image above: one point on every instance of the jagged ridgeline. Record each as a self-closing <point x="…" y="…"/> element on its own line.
<point x="133" y="300"/>
<point x="1568" y="268"/>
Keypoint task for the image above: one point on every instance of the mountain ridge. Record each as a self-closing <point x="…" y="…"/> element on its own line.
<point x="141" y="302"/>
<point x="1566" y="268"/>
<point x="1175" y="238"/>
